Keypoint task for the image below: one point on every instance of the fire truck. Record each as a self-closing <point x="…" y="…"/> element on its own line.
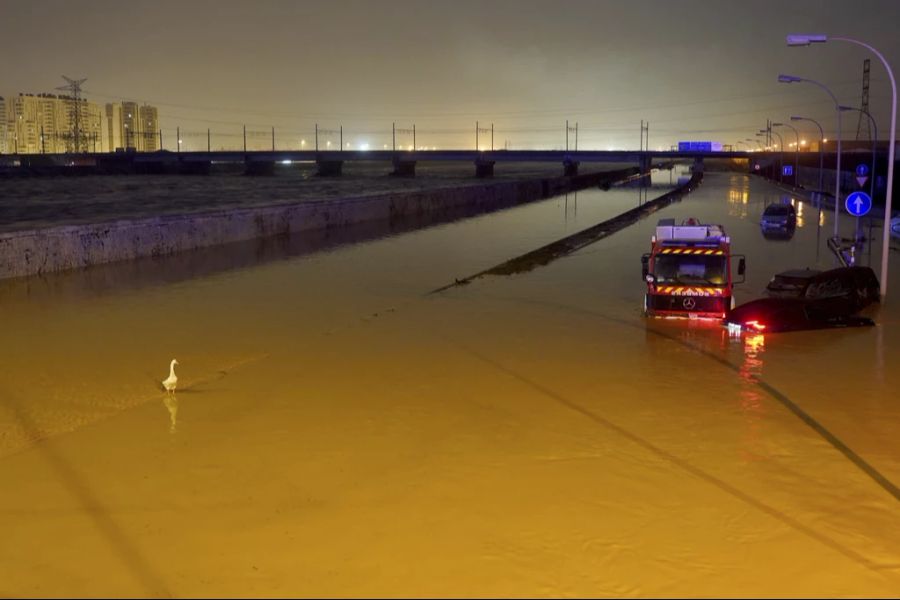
<point x="688" y="271"/>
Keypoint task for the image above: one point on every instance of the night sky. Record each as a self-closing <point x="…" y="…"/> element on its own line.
<point x="694" y="69"/>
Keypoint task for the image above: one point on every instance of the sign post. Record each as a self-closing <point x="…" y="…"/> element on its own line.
<point x="858" y="204"/>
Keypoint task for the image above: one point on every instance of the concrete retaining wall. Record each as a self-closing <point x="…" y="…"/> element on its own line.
<point x="37" y="251"/>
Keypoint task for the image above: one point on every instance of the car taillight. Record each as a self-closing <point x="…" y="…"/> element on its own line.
<point x="755" y="325"/>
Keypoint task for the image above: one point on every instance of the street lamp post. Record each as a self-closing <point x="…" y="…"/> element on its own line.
<point x="781" y="154"/>
<point x="805" y="40"/>
<point x="765" y="147"/>
<point x="821" y="145"/>
<point x="796" y="149"/>
<point x="758" y="143"/>
<point x="837" y="179"/>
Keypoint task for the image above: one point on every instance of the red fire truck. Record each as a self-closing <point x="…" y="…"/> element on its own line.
<point x="688" y="271"/>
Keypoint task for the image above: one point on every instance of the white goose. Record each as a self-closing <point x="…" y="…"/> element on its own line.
<point x="170" y="382"/>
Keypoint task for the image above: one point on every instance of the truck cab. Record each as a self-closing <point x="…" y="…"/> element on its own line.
<point x="688" y="271"/>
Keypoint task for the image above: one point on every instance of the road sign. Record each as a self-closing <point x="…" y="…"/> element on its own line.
<point x="787" y="170"/>
<point x="862" y="174"/>
<point x="858" y="204"/>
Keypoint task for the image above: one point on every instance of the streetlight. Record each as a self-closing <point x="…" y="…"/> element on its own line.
<point x="805" y="40"/>
<point x="837" y="184"/>
<point x="796" y="149"/>
<point x="781" y="154"/>
<point x="758" y="143"/>
<point x="821" y="144"/>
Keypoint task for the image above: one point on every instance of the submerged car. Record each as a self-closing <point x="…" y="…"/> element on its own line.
<point x="809" y="299"/>
<point x="778" y="217"/>
<point x="774" y="315"/>
<point x="775" y="233"/>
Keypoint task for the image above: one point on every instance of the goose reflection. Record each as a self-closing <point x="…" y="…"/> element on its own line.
<point x="171" y="403"/>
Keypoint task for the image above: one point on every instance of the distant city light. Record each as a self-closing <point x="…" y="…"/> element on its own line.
<point x="286" y="162"/>
<point x="364" y="146"/>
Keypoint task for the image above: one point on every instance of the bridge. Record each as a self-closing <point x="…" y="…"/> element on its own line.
<point x="331" y="162"/>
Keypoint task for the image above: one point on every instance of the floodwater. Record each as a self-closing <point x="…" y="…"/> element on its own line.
<point x="339" y="432"/>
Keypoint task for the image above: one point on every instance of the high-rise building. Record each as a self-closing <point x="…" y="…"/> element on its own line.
<point x="46" y="123"/>
<point x="150" y="127"/>
<point x="131" y="126"/>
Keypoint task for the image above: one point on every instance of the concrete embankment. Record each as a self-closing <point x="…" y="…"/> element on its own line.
<point x="46" y="250"/>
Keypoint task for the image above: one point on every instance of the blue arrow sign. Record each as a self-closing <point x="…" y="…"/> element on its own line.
<point x="858" y="204"/>
<point x="862" y="170"/>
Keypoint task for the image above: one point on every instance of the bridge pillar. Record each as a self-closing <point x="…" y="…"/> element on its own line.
<point x="644" y="163"/>
<point x="404" y="168"/>
<point x="329" y="168"/>
<point x="484" y="168"/>
<point x="697" y="167"/>
<point x="570" y="168"/>
<point x="259" y="167"/>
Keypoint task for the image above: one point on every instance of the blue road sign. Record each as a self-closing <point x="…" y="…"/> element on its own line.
<point x="787" y="170"/>
<point x="858" y="204"/>
<point x="862" y="170"/>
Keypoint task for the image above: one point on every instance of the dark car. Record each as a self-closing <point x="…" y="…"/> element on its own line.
<point x="773" y="233"/>
<point x="773" y="315"/>
<point x="809" y="299"/>
<point x="851" y="288"/>
<point x="778" y="217"/>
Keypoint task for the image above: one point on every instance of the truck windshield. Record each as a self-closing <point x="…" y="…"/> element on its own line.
<point x="690" y="269"/>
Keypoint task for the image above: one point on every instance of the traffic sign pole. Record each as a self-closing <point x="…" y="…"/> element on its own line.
<point x="858" y="204"/>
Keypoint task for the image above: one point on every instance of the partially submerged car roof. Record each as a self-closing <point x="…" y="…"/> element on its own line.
<point x="798" y="274"/>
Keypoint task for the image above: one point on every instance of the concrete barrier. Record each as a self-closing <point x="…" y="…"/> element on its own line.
<point x="38" y="251"/>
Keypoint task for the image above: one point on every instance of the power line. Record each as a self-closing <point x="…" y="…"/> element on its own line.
<point x="864" y="105"/>
<point x="74" y="89"/>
